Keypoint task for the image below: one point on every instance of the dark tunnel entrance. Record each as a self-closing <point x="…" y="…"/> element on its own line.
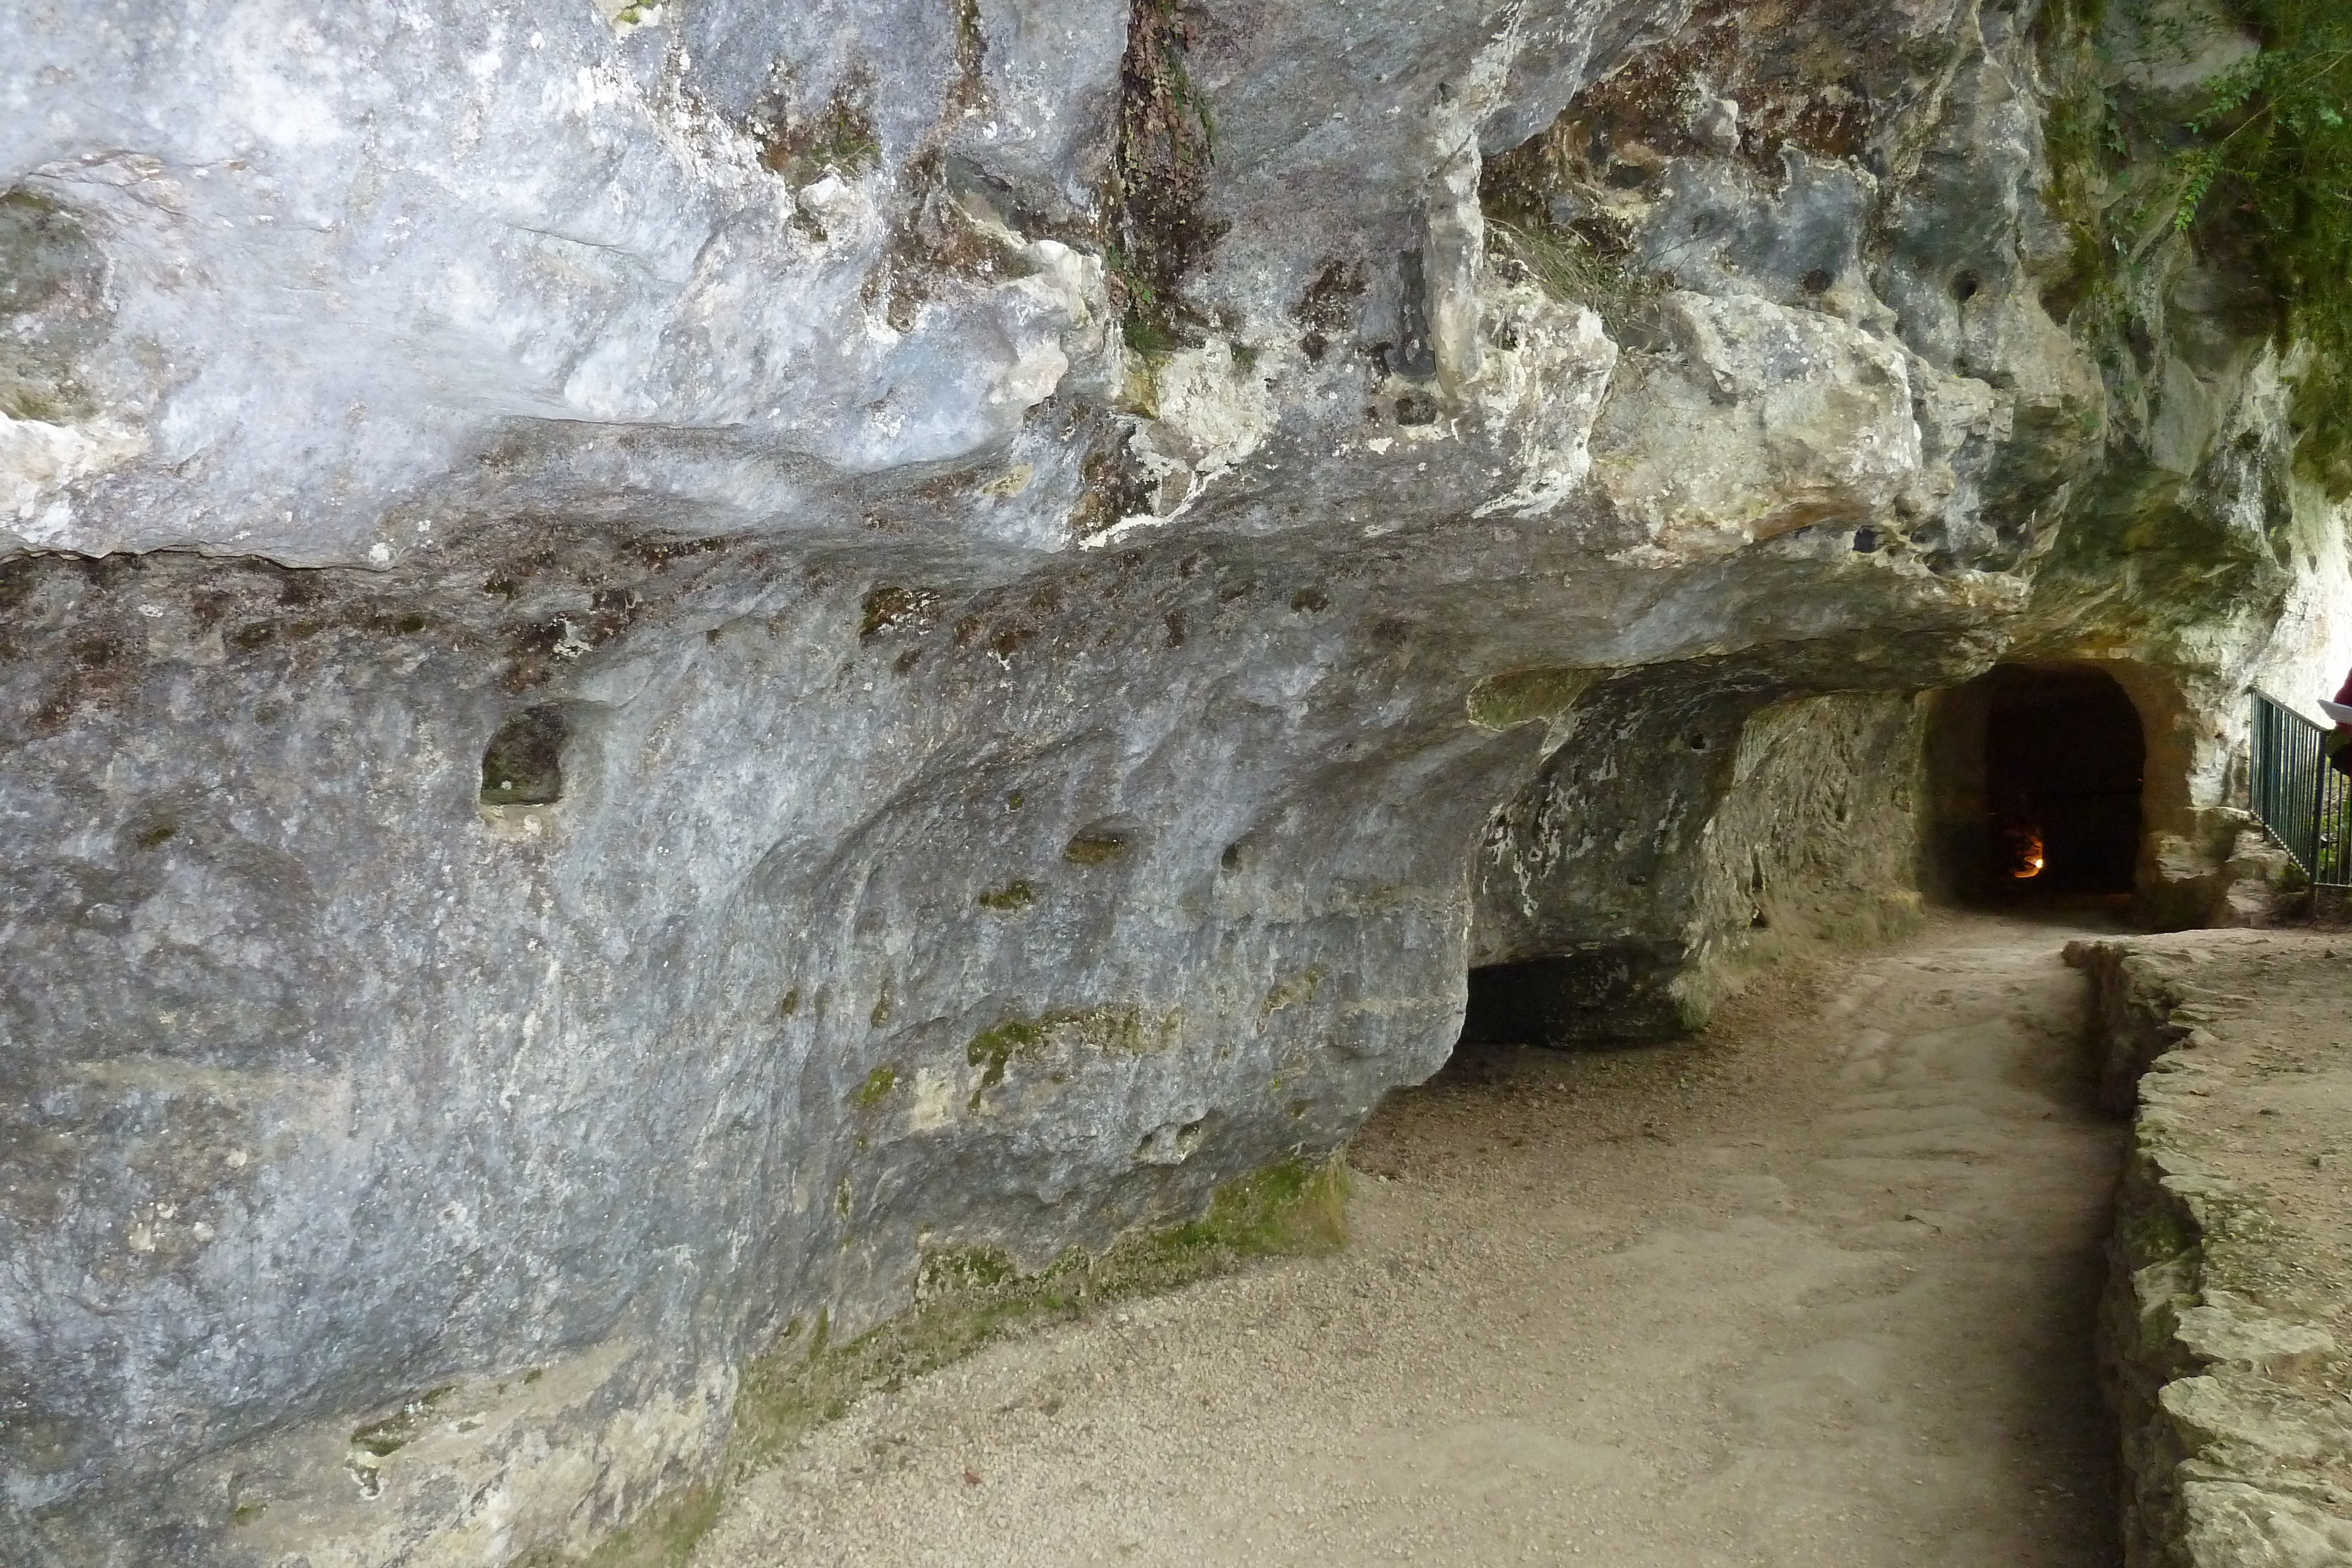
<point x="2059" y="774"/>
<point x="1597" y="993"/>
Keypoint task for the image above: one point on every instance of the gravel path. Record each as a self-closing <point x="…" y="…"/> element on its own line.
<point x="1813" y="1290"/>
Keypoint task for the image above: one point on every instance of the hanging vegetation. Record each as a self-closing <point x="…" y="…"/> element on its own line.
<point x="2260" y="169"/>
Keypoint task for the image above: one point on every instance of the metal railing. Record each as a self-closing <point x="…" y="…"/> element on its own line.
<point x="2304" y="803"/>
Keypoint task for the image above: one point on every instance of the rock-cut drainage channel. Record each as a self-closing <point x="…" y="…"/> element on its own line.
<point x="1817" y="1288"/>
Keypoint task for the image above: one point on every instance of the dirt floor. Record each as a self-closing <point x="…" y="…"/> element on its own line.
<point x="1815" y="1289"/>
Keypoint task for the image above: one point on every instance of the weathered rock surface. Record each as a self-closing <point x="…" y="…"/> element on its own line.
<point x="2223" y="1337"/>
<point x="657" y="659"/>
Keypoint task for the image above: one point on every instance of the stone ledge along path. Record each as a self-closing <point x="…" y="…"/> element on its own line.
<point x="1814" y="1289"/>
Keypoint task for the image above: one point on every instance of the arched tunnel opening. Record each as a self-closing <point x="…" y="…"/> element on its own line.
<point x="2064" y="760"/>
<point x="2039" y="770"/>
<point x="1611" y="898"/>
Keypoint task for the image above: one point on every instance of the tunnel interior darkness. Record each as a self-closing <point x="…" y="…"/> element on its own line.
<point x="2064" y="758"/>
<point x="1597" y="993"/>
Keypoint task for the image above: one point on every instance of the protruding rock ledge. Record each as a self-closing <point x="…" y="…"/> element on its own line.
<point x="2224" y="1335"/>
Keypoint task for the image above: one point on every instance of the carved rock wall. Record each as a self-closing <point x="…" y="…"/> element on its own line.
<point x="2220" y="1336"/>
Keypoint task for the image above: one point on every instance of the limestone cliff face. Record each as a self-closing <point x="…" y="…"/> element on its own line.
<point x="658" y="659"/>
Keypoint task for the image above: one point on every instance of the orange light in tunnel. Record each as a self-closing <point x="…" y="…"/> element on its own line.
<point x="2029" y="855"/>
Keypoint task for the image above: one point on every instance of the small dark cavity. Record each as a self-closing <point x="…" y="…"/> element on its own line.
<point x="523" y="764"/>
<point x="1817" y="281"/>
<point x="1865" y="541"/>
<point x="1416" y="408"/>
<point x="1966" y="287"/>
<point x="1310" y="601"/>
<point x="1095" y="846"/>
<point x="1328" y="306"/>
<point x="1414" y="357"/>
<point x="1697" y="742"/>
<point x="402" y="1428"/>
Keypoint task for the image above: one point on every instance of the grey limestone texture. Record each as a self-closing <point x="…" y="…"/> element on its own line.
<point x="657" y="659"/>
<point x="2223" y="1332"/>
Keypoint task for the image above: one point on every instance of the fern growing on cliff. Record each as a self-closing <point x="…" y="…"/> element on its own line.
<point x="2255" y="174"/>
<point x="2270" y="151"/>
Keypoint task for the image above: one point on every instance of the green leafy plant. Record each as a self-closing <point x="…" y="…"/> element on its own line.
<point x="2290" y="153"/>
<point x="2266" y="158"/>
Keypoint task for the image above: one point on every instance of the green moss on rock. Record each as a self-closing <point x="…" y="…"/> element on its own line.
<point x="1523" y="696"/>
<point x="1013" y="898"/>
<point x="662" y="1536"/>
<point x="967" y="1298"/>
<point x="1120" y="1028"/>
<point x="994" y="1050"/>
<point x="877" y="1087"/>
<point x="1094" y="847"/>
